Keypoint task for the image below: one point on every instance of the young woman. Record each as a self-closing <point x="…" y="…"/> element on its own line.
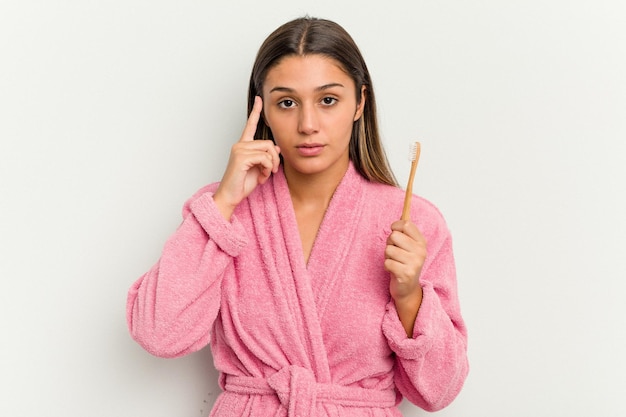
<point x="314" y="298"/>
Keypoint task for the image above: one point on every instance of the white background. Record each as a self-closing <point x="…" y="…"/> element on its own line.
<point x="113" y="113"/>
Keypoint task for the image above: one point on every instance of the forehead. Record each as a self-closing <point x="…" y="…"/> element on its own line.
<point x="306" y="71"/>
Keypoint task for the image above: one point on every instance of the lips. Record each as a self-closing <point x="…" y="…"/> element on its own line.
<point x="310" y="149"/>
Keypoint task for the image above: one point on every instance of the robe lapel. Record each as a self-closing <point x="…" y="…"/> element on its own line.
<point x="301" y="280"/>
<point x="304" y="290"/>
<point x="336" y="237"/>
<point x="275" y="241"/>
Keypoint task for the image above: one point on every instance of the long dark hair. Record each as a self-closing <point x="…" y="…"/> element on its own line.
<point x="309" y="36"/>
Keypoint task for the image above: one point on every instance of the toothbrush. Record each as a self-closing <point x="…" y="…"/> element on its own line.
<point x="414" y="155"/>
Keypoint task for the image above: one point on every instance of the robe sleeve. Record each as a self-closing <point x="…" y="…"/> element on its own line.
<point x="172" y="307"/>
<point x="432" y="366"/>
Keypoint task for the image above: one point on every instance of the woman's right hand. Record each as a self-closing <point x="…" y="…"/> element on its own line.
<point x="251" y="163"/>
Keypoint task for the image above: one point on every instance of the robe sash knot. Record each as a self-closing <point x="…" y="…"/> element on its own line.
<point x="299" y="392"/>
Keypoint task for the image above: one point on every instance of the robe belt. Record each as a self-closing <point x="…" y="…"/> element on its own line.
<point x="299" y="393"/>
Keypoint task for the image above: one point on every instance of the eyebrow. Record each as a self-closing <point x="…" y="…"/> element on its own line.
<point x="320" y="88"/>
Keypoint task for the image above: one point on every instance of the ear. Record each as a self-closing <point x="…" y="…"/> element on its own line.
<point x="361" y="105"/>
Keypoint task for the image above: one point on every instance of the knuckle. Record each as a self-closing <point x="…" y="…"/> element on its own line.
<point x="387" y="264"/>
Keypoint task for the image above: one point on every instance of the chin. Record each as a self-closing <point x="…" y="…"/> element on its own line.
<point x="314" y="166"/>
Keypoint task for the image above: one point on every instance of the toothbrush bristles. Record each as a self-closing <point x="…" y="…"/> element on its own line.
<point x="414" y="156"/>
<point x="414" y="151"/>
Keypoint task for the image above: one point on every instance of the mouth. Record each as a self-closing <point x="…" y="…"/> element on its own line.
<point x="310" y="149"/>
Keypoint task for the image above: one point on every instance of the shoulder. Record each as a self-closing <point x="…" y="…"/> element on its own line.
<point x="386" y="202"/>
<point x="387" y="198"/>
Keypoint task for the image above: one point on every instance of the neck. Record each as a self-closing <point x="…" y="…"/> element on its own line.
<point x="316" y="188"/>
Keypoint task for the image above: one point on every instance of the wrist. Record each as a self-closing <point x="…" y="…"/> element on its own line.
<point x="224" y="207"/>
<point x="407" y="307"/>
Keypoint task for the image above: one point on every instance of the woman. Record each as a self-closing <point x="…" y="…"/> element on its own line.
<point x="315" y="299"/>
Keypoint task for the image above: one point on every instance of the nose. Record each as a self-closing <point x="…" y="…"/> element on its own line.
<point x="308" y="122"/>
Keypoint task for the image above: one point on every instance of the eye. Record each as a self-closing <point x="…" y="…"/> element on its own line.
<point x="286" y="104"/>
<point x="329" y="101"/>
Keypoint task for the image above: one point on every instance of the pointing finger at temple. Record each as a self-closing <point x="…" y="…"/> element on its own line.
<point x="253" y="121"/>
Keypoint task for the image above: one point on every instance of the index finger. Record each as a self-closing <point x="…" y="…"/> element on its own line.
<point x="253" y="121"/>
<point x="408" y="228"/>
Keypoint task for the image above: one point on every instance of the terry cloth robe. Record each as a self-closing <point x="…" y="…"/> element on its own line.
<point x="291" y="338"/>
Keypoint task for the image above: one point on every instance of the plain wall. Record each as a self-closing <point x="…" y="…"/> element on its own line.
<point x="113" y="113"/>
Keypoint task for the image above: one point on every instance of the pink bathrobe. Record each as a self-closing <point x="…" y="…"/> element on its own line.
<point x="297" y="339"/>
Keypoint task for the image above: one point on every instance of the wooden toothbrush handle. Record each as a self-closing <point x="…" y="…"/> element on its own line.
<point x="409" y="192"/>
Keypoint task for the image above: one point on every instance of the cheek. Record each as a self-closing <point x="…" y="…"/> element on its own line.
<point x="277" y="126"/>
<point x="344" y="123"/>
<point x="273" y="120"/>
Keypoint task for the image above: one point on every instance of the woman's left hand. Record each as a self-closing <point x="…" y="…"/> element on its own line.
<point x="405" y="254"/>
